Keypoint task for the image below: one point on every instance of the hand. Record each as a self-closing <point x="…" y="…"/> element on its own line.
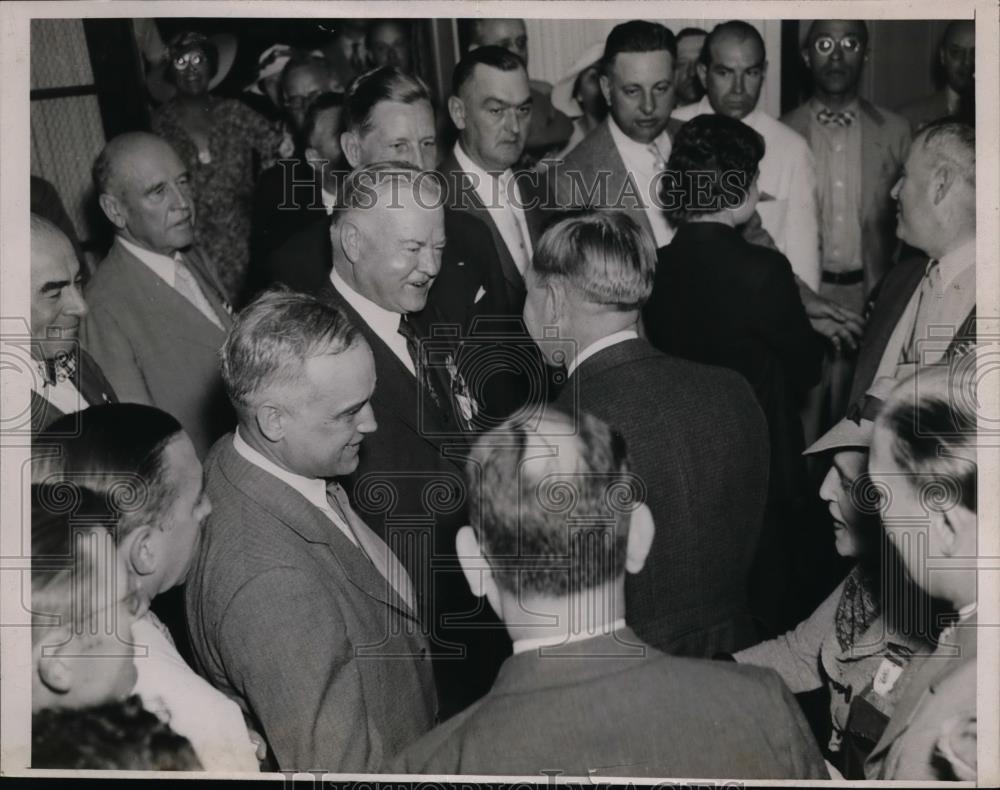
<point x="838" y="334"/>
<point x="258" y="741"/>
<point x="841" y="326"/>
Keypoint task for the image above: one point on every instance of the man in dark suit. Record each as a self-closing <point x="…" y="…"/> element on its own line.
<point x="583" y="695"/>
<point x="618" y="164"/>
<point x="696" y="436"/>
<point x="924" y="302"/>
<point x="296" y="608"/>
<point x="859" y="150"/>
<point x="68" y="379"/>
<point x="956" y="97"/>
<point x="388" y="241"/>
<point x="157" y="313"/>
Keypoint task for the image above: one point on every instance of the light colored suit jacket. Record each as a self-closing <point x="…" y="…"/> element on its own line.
<point x="942" y="691"/>
<point x="614" y="706"/>
<point x="155" y="347"/>
<point x="885" y="141"/>
<point x="290" y="619"/>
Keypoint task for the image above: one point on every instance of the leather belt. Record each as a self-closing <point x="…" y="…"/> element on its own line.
<point x="844" y="278"/>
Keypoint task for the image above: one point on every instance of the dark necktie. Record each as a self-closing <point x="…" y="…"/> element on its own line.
<point x="831" y="118"/>
<point x="424" y="375"/>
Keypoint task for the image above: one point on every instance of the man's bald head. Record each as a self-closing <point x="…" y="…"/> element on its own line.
<point x="143" y="188"/>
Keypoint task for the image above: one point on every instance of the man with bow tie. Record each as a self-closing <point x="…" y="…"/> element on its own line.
<point x="68" y="379"/>
<point x="859" y="150"/>
<point x="297" y="609"/>
<point x="157" y="313"/>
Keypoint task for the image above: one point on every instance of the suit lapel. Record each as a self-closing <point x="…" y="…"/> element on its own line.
<point x="210" y="287"/>
<point x="872" y="157"/>
<point x="94" y="388"/>
<point x="292" y="509"/>
<point x="618" y="172"/>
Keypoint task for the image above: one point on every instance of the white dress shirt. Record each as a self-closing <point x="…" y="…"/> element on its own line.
<point x="63" y="395"/>
<point x="599" y="345"/>
<point x="787" y="174"/>
<point x="165" y="267"/>
<point x="950" y="305"/>
<point x="313" y="489"/>
<point x="643" y="166"/>
<point x="382" y="322"/>
<point x="329" y="201"/>
<point x="171" y="690"/>
<point x="525" y="645"/>
<point x="502" y="199"/>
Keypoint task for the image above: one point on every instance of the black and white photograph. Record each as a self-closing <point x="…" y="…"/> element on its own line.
<point x="496" y="392"/>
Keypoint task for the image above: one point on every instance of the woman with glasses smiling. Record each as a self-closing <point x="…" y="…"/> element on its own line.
<point x="224" y="144"/>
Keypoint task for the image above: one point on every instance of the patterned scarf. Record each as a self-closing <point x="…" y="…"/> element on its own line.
<point x="857" y="609"/>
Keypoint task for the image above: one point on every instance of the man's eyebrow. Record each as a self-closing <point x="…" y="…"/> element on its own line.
<point x="54" y="285"/>
<point x="158" y="185"/>
<point x="354" y="406"/>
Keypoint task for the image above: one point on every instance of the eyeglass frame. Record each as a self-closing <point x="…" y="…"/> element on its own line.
<point x="839" y="42"/>
<point x="186" y="60"/>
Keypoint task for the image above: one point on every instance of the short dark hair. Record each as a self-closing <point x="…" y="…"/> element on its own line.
<point x="492" y="56"/>
<point x="386" y="83"/>
<point x="563" y="530"/>
<point x="374" y="24"/>
<point x="303" y="60"/>
<point x="604" y="255"/>
<point x="324" y="102"/>
<point x="113" y="736"/>
<point x="67" y="525"/>
<point x="637" y="36"/>
<point x="690" y="31"/>
<point x="931" y="423"/>
<point x="736" y="27"/>
<point x="712" y="164"/>
<point x="115" y="450"/>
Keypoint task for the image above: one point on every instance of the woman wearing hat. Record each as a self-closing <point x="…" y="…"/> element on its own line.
<point x="860" y="640"/>
<point x="578" y="96"/>
<point x="224" y="144"/>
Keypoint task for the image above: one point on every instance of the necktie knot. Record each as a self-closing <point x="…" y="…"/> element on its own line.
<point x="61" y="367"/>
<point x="832" y="118"/>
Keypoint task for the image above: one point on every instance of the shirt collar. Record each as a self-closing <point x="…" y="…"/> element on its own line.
<point x="816" y="105"/>
<point x="313" y="489"/>
<point x="626" y="143"/>
<point x="526" y="645"/>
<point x="956" y="261"/>
<point x="384" y="322"/>
<point x="329" y="200"/>
<point x="163" y="265"/>
<point x="472" y="168"/>
<point x="605" y="342"/>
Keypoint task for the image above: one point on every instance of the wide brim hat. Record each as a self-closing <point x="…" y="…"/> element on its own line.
<point x="855" y="430"/>
<point x="162" y="90"/>
<point x="562" y="93"/>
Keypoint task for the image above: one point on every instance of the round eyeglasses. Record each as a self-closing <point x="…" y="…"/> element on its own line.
<point x="181" y="62"/>
<point x="825" y="45"/>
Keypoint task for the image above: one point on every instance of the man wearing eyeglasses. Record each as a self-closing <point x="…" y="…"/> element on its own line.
<point x="859" y="149"/>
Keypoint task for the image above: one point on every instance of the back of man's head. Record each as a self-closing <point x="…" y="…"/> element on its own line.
<point x="386" y="83"/>
<point x="602" y="257"/>
<point x="638" y="36"/>
<point x="551" y="505"/>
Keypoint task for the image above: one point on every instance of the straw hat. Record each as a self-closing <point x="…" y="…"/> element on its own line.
<point x="562" y="93"/>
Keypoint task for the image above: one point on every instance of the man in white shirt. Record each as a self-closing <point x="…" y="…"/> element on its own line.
<point x="583" y="694"/>
<point x="926" y="302"/>
<point x="157" y="312"/>
<point x="294" y="603"/>
<point x="618" y="164"/>
<point x="696" y="436"/>
<point x="66" y="378"/>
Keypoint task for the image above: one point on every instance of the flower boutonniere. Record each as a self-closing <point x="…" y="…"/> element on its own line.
<point x="466" y="402"/>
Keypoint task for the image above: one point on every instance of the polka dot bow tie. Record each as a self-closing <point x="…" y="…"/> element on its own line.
<point x="830" y="118"/>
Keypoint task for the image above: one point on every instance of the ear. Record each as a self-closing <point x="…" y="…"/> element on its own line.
<point x="702" y="70"/>
<point x="351" y="146"/>
<point x="478" y="574"/>
<point x="941" y="183"/>
<point x="55" y="673"/>
<point x="349" y="238"/>
<point x="456" y="109"/>
<point x="553" y="303"/>
<point x="956" y="531"/>
<point x="605" y="84"/>
<point x="640" y="539"/>
<point x="269" y="422"/>
<point x="139" y="548"/>
<point x="113" y="210"/>
<point x="312" y="156"/>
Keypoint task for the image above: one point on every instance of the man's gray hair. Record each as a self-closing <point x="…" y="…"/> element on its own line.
<point x="604" y="255"/>
<point x="952" y="142"/>
<point x="272" y="338"/>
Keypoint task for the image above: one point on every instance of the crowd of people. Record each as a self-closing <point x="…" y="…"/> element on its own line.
<point x="360" y="452"/>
